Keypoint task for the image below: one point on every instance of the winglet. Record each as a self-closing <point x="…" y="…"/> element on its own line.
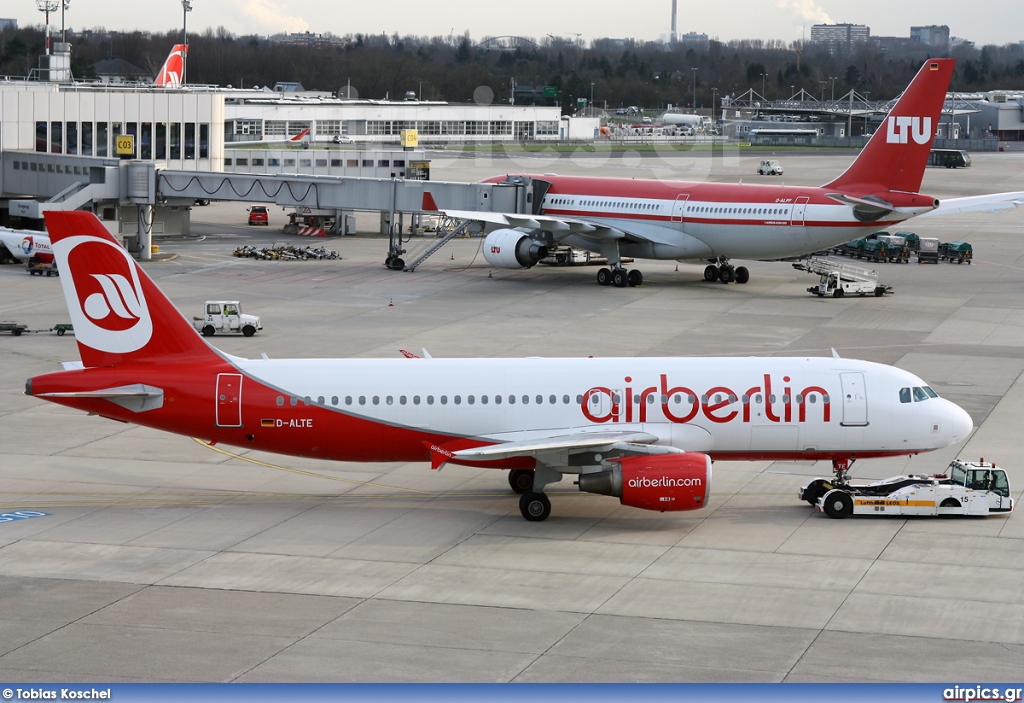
<point x="428" y="202"/>
<point x="439" y="456"/>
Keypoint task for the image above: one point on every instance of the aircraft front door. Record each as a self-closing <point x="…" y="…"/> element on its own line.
<point x="855" y="401"/>
<point x="229" y="400"/>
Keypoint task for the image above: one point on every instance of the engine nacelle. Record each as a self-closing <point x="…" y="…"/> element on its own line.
<point x="660" y="482"/>
<point x="511" y="249"/>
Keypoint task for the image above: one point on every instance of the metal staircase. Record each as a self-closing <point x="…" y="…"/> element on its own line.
<point x="431" y="246"/>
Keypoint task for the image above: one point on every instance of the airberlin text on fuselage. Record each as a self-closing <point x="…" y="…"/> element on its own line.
<point x="682" y="404"/>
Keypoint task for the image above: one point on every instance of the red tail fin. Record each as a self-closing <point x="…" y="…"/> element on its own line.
<point x="170" y="73"/>
<point x="895" y="157"/>
<point x="118" y="313"/>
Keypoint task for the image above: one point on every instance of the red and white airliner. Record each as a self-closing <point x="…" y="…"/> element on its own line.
<point x="642" y="429"/>
<point x="715" y="222"/>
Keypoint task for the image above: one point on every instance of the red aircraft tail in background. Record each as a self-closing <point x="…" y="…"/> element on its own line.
<point x="170" y="72"/>
<point x="895" y="157"/>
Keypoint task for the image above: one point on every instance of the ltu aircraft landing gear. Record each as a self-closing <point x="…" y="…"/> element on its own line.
<point x="620" y="277"/>
<point x="722" y="270"/>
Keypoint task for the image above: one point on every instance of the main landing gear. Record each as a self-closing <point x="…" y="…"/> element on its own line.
<point x="620" y="277"/>
<point x="529" y="484"/>
<point x="722" y="270"/>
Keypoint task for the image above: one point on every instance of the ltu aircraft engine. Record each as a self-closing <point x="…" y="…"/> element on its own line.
<point x="662" y="482"/>
<point x="512" y="249"/>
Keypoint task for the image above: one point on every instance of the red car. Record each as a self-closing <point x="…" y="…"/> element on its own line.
<point x="258" y="215"/>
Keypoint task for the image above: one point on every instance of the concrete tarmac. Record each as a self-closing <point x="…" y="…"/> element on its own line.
<point x="161" y="559"/>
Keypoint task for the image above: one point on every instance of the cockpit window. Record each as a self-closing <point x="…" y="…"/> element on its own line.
<point x="919" y="395"/>
<point x="904" y="395"/>
<point x="930" y="392"/>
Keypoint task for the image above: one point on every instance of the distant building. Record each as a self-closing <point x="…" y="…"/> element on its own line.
<point x="6" y="24"/>
<point x="840" y="38"/>
<point x="115" y="70"/>
<point x="693" y="39"/>
<point x="960" y="41"/>
<point x="308" y="39"/>
<point x="935" y="36"/>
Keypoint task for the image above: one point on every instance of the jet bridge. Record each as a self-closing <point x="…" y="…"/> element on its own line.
<point x="36" y="182"/>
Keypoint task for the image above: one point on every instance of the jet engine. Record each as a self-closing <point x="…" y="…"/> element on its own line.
<point x="512" y="249"/>
<point x="660" y="482"/>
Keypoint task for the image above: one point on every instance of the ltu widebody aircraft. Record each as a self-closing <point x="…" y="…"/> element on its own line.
<point x="642" y="429"/>
<point x="716" y="222"/>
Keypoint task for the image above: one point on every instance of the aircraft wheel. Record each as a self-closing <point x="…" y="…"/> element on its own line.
<point x="727" y="274"/>
<point x="711" y="273"/>
<point x="742" y="275"/>
<point x="521" y="480"/>
<point x="619" y="278"/>
<point x="634" y="278"/>
<point x="838" y="504"/>
<point x="208" y="331"/>
<point x="604" y="277"/>
<point x="397" y="264"/>
<point x="535" y="507"/>
<point x="387" y="261"/>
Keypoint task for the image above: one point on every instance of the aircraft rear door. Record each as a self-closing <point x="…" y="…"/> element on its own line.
<point x="679" y="207"/>
<point x="799" y="211"/>
<point x="229" y="400"/>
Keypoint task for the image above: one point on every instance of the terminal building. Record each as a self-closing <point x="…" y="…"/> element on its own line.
<point x="59" y="139"/>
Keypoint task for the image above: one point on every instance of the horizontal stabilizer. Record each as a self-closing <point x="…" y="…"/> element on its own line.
<point x="137" y="397"/>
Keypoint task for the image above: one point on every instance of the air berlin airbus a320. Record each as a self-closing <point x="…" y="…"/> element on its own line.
<point x="642" y="429"/>
<point x="716" y="222"/>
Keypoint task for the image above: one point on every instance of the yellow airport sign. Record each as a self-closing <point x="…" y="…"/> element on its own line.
<point x="410" y="138"/>
<point x="124" y="144"/>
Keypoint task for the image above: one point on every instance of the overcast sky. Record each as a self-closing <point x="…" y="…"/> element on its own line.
<point x="989" y="22"/>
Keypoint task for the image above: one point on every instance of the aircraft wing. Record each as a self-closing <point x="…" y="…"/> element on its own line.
<point x="556" y="225"/>
<point x="978" y="203"/>
<point x="556" y="449"/>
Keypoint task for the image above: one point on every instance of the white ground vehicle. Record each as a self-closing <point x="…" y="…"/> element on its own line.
<point x="839" y="280"/>
<point x="769" y="167"/>
<point x="969" y="488"/>
<point x="225" y="317"/>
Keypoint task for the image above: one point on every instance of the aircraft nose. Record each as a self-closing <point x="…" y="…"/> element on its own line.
<point x="960" y="422"/>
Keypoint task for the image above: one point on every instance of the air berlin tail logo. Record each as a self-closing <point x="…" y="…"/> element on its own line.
<point x="117" y="298"/>
<point x="104" y="295"/>
<point x="904" y="128"/>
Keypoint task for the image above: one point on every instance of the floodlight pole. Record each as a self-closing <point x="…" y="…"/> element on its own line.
<point x="186" y="6"/>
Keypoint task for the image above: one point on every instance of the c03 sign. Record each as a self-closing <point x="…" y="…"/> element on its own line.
<point x="124" y="144"/>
